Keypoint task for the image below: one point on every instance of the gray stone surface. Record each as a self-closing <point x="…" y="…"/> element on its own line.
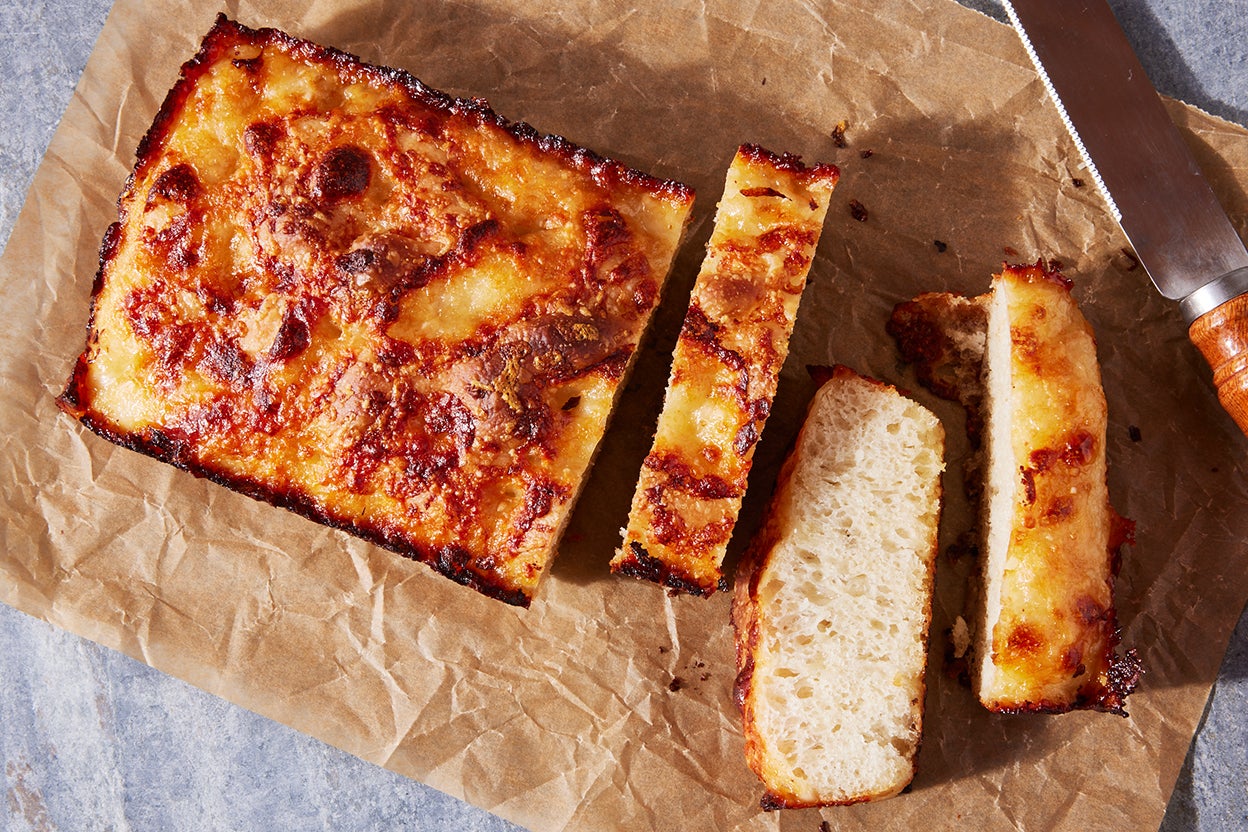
<point x="92" y="740"/>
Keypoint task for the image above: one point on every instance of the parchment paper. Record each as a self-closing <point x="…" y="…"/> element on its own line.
<point x="608" y="704"/>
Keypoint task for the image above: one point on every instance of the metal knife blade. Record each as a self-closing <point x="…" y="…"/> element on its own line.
<point x="1133" y="151"/>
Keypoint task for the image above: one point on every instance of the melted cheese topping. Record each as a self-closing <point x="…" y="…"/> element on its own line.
<point x="394" y="312"/>
<point x="724" y="370"/>
<point x="1046" y="631"/>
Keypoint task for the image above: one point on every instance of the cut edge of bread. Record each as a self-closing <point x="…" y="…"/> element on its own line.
<point x="830" y="688"/>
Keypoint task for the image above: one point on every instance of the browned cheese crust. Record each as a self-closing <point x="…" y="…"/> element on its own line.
<point x="725" y="369"/>
<point x="339" y="291"/>
<point x="1044" y="613"/>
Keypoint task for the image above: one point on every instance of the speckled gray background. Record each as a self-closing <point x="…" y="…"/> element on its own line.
<point x="92" y="740"/>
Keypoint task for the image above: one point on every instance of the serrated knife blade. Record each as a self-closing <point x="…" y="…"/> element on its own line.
<point x="1153" y="186"/>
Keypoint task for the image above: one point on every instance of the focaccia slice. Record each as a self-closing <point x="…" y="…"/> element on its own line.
<point x="1022" y="359"/>
<point x="725" y="369"/>
<point x="1046" y="630"/>
<point x="833" y="599"/>
<point x="341" y="292"/>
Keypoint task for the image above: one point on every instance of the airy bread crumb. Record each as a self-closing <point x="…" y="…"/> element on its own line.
<point x="833" y="600"/>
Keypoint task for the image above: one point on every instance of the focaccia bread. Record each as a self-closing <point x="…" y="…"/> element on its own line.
<point x="1045" y="630"/>
<point x="832" y="601"/>
<point x="725" y="369"/>
<point x="341" y="292"/>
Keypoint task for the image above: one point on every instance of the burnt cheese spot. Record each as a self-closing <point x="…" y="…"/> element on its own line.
<point x="1078" y="449"/>
<point x="224" y="361"/>
<point x="1028" y="478"/>
<point x="344" y="172"/>
<point x="1089" y="609"/>
<point x="260" y="138"/>
<point x="1059" y="509"/>
<point x="700" y="330"/>
<point x="293" y="336"/>
<point x="605" y="229"/>
<point x="1024" y="640"/>
<point x="178" y="184"/>
<point x="762" y="191"/>
<point x="1072" y="660"/>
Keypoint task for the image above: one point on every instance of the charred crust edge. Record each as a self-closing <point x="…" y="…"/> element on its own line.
<point x="791" y="164"/>
<point x="638" y="563"/>
<point x="447" y="560"/>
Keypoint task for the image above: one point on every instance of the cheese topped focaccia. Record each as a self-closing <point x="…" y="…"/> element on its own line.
<point x="339" y="291"/>
<point x="1022" y="359"/>
<point x="725" y="369"/>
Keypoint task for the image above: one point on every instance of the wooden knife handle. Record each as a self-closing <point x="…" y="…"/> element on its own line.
<point x="1221" y="335"/>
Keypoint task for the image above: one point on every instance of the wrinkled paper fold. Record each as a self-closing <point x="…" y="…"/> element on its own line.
<point x="608" y="705"/>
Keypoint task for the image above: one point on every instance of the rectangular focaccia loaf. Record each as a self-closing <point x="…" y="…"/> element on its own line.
<point x="725" y="369"/>
<point x="832" y="602"/>
<point x="1046" y="630"/>
<point x="1022" y="359"/>
<point x="341" y="292"/>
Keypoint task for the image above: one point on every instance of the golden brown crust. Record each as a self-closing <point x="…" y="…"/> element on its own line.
<point x="724" y="371"/>
<point x="339" y="291"/>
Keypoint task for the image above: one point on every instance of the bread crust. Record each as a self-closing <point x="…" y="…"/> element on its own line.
<point x="339" y="291"/>
<point x="725" y="369"/>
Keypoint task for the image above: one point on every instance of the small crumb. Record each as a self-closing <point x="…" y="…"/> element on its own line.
<point x="676" y="684"/>
<point x="857" y="210"/>
<point x="867" y="154"/>
<point x="838" y="134"/>
<point x="1055" y="265"/>
<point x="941" y="246"/>
<point x="699" y="663"/>
<point x="1077" y="182"/>
<point x="1010" y="251"/>
<point x="824" y="826"/>
<point x="764" y="82"/>
<point x="662" y="649"/>
<point x="704" y="677"/>
<point x="961" y="636"/>
<point x="1134" y="433"/>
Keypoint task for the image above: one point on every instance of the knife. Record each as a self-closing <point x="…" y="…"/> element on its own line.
<point x="1155" y="190"/>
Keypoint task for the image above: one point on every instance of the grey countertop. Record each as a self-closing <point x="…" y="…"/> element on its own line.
<point x="93" y="740"/>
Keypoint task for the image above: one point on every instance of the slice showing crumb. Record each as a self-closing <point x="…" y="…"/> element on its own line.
<point x="1022" y="359"/>
<point x="833" y="600"/>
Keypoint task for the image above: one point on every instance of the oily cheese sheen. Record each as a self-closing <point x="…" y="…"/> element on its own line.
<point x="339" y="291"/>
<point x="725" y="370"/>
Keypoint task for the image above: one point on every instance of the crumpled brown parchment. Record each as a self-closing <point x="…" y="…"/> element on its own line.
<point x="608" y="704"/>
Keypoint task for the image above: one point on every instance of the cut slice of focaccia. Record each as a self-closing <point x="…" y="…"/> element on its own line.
<point x="1046" y="631"/>
<point x="341" y="292"/>
<point x="1022" y="358"/>
<point x="725" y="369"/>
<point x="833" y="599"/>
